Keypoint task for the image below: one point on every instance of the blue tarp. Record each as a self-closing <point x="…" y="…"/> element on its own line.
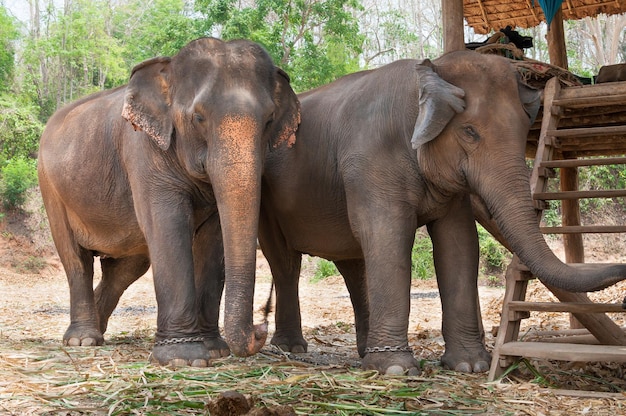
<point x="550" y="8"/>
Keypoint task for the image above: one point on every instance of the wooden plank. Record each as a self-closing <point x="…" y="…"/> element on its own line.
<point x="587" y="131"/>
<point x="565" y="352"/>
<point x="570" y="163"/>
<point x="597" y="90"/>
<point x="552" y="196"/>
<point x="578" y="307"/>
<point x="585" y="229"/>
<point x="586" y="102"/>
<point x="599" y="324"/>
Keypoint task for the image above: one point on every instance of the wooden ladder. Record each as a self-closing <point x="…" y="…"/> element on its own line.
<point x="589" y="122"/>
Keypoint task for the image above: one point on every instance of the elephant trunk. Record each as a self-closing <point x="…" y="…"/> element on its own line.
<point x="513" y="211"/>
<point x="237" y="185"/>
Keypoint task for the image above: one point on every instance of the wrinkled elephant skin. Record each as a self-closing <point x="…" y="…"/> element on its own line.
<point x="137" y="175"/>
<point x="380" y="153"/>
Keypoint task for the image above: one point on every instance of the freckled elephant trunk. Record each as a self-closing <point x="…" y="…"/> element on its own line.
<point x="237" y="186"/>
<point x="514" y="213"/>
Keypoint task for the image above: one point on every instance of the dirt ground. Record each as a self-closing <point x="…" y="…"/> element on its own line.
<point x="34" y="307"/>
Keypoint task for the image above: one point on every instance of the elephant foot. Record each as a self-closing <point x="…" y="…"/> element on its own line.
<point x="397" y="363"/>
<point x="247" y="343"/>
<point x="181" y="352"/>
<point x="466" y="361"/>
<point x="217" y="346"/>
<point x="82" y="336"/>
<point x="290" y="342"/>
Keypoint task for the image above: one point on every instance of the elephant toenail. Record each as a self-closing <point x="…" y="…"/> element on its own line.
<point x="73" y="342"/>
<point x="395" y="370"/>
<point x="298" y="349"/>
<point x="463" y="367"/>
<point x="88" y="342"/>
<point x="178" y="362"/>
<point x="198" y="362"/>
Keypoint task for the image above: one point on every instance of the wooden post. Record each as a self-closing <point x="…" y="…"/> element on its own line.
<point x="452" y="11"/>
<point x="572" y="243"/>
<point x="556" y="41"/>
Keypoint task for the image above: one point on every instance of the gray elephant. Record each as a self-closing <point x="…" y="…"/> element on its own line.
<point x="611" y="73"/>
<point x="136" y="175"/>
<point x="382" y="152"/>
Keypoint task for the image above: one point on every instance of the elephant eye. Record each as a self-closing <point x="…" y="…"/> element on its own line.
<point x="269" y="121"/>
<point x="197" y="117"/>
<point x="471" y="133"/>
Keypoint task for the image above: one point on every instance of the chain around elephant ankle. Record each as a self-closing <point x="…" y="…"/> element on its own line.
<point x="388" y="348"/>
<point x="170" y="341"/>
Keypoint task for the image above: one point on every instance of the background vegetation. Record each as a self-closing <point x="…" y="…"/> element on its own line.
<point x="53" y="52"/>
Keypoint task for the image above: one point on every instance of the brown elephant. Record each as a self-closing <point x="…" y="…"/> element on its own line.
<point x="137" y="175"/>
<point x="380" y="153"/>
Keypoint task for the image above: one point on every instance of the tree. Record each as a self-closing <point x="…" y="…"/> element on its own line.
<point x="9" y="33"/>
<point x="149" y="28"/>
<point x="314" y="40"/>
<point x="71" y="52"/>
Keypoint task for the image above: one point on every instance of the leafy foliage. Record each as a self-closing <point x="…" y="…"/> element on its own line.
<point x="323" y="270"/>
<point x="18" y="175"/>
<point x="422" y="265"/>
<point x="19" y="129"/>
<point x="8" y="34"/>
<point x="314" y="41"/>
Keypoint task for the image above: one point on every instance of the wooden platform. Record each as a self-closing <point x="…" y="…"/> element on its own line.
<point x="579" y="126"/>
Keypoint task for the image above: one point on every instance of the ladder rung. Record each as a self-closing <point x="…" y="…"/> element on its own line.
<point x="564" y="352"/>
<point x="584" y="102"/>
<point x="584" y="229"/>
<point x="570" y="163"/>
<point x="573" y="307"/>
<point x="587" y="131"/>
<point x="567" y="195"/>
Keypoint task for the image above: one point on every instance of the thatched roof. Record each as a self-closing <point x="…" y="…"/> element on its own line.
<point x="485" y="16"/>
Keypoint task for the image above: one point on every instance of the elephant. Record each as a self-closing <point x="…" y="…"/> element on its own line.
<point x="611" y="73"/>
<point x="166" y="172"/>
<point x="382" y="152"/>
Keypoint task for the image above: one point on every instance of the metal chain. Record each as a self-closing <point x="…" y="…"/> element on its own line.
<point x="388" y="348"/>
<point x="170" y="341"/>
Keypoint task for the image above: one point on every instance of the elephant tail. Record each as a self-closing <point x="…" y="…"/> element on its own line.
<point x="268" y="305"/>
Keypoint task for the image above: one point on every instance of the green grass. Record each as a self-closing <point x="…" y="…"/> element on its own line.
<point x="493" y="258"/>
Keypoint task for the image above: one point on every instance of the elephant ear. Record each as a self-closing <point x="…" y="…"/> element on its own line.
<point x="439" y="101"/>
<point x="287" y="116"/>
<point x="530" y="97"/>
<point x="147" y="103"/>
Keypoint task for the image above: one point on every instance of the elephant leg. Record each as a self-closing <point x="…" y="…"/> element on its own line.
<point x="78" y="265"/>
<point x="169" y="235"/>
<point x="208" y="253"/>
<point x="117" y="275"/>
<point x="386" y="232"/>
<point x="83" y="329"/>
<point x="353" y="272"/>
<point x="285" y="265"/>
<point x="455" y="252"/>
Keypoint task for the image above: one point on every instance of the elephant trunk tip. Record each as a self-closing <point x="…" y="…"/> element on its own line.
<point x="587" y="277"/>
<point x="247" y="344"/>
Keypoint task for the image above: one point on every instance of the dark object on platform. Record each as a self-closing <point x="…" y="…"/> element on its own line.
<point x="512" y="36"/>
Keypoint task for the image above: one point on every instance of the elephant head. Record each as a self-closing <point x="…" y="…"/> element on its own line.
<point x="214" y="109"/>
<point x="474" y="118"/>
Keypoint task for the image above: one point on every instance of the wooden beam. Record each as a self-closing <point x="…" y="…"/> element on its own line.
<point x="484" y="14"/>
<point x="556" y="41"/>
<point x="570" y="163"/>
<point x="532" y="10"/>
<point x="452" y="13"/>
<point x="565" y="352"/>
